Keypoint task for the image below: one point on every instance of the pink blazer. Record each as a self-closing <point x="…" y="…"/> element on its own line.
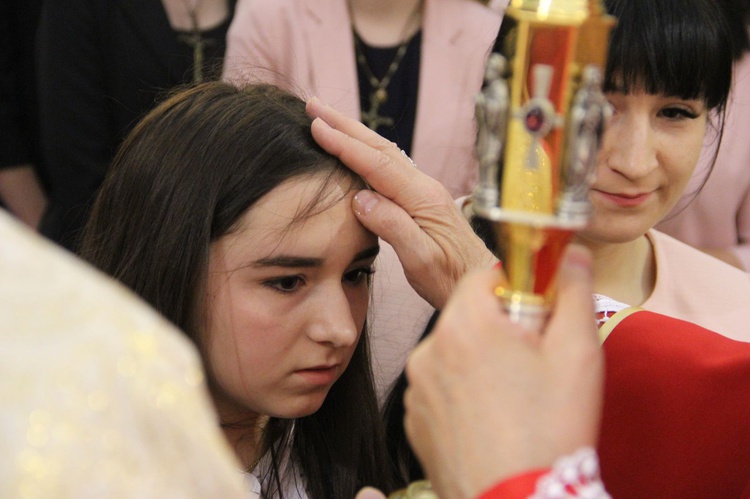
<point x="307" y="46"/>
<point x="698" y="288"/>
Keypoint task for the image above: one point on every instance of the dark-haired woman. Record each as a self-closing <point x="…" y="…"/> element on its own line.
<point x="668" y="78"/>
<point x="222" y="213"/>
<point x="676" y="395"/>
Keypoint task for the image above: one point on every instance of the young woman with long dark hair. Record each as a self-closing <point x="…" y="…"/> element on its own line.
<point x="223" y="213"/>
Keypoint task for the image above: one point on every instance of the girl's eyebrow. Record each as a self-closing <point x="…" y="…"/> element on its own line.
<point x="288" y="261"/>
<point x="291" y="261"/>
<point x="371" y="252"/>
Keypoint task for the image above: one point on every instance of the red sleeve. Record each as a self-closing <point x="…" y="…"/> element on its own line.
<point x="675" y="417"/>
<point x="515" y="487"/>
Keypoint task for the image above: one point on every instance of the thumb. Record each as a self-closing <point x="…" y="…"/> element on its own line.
<point x="370" y="493"/>
<point x="388" y="221"/>
<point x="573" y="312"/>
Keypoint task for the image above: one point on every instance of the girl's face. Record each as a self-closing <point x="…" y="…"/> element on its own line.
<point x="650" y="149"/>
<point x="287" y="300"/>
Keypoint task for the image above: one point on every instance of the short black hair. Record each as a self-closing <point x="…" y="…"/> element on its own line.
<point x="681" y="48"/>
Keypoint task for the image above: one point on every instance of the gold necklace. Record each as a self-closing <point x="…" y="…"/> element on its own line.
<point x="195" y="40"/>
<point x="255" y="464"/>
<point x="379" y="94"/>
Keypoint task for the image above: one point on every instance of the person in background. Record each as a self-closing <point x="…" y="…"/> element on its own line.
<point x="102" y="66"/>
<point x="408" y="69"/>
<point x="668" y="77"/>
<point x="22" y="176"/>
<point x="714" y="213"/>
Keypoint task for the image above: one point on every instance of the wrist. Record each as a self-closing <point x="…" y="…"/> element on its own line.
<point x="575" y="475"/>
<point x="518" y="486"/>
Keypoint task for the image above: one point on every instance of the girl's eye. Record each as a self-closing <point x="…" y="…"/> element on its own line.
<point x="358" y="276"/>
<point x="678" y="113"/>
<point x="286" y="284"/>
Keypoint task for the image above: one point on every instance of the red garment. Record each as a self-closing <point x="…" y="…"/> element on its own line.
<point x="676" y="420"/>
<point x="516" y="487"/>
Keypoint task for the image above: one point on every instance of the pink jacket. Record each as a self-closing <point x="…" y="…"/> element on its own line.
<point x="698" y="288"/>
<point x="719" y="217"/>
<point x="307" y="46"/>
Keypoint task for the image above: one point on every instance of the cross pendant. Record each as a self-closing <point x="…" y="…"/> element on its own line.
<point x="371" y="118"/>
<point x="196" y="41"/>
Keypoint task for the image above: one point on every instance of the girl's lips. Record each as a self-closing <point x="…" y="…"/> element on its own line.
<point x="320" y="375"/>
<point x="624" y="200"/>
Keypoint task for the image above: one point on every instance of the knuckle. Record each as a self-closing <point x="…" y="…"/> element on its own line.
<point x="383" y="159"/>
<point x="384" y="145"/>
<point x="434" y="190"/>
<point x="390" y="225"/>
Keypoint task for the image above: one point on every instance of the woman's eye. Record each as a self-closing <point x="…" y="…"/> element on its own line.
<point x="359" y="275"/>
<point x="678" y="113"/>
<point x="286" y="284"/>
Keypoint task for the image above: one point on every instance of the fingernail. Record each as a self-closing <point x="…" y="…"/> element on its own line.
<point x="364" y="202"/>
<point x="316" y="100"/>
<point x="321" y="122"/>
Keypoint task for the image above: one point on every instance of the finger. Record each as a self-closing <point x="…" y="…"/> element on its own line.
<point x="391" y="223"/>
<point x="349" y="126"/>
<point x="479" y="285"/>
<point x="572" y="346"/>
<point x="393" y="163"/>
<point x="412" y="424"/>
<point x="473" y="309"/>
<point x="386" y="174"/>
<point x="572" y="317"/>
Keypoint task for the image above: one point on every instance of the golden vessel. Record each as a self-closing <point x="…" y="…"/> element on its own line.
<point x="541" y="116"/>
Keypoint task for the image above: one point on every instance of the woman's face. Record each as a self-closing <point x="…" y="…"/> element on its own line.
<point x="287" y="300"/>
<point x="650" y="149"/>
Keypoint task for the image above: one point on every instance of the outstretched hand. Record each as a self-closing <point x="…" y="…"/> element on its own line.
<point x="407" y="208"/>
<point x="488" y="399"/>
